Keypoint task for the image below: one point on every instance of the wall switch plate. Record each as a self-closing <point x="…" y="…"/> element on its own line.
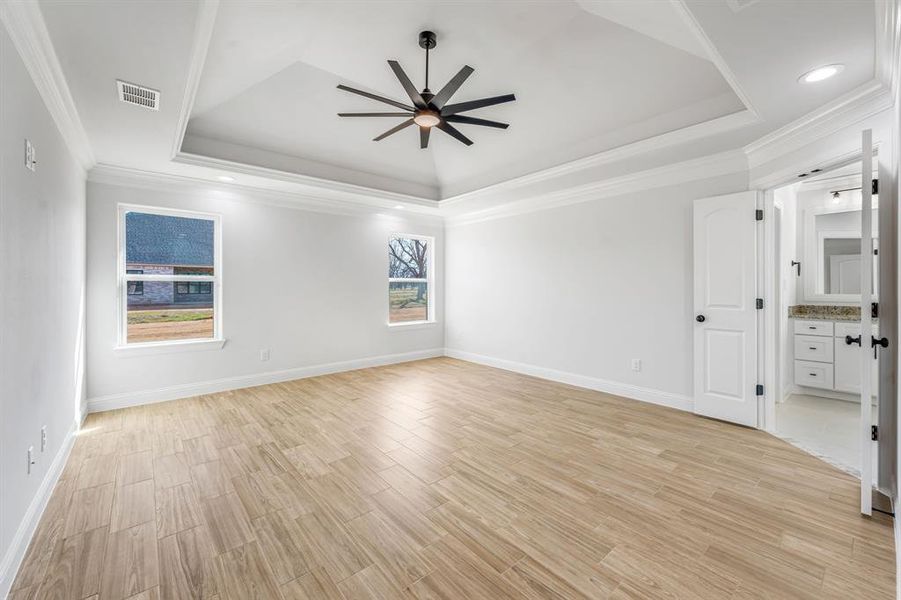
<point x="264" y="354"/>
<point x="30" y="161"/>
<point x="636" y="364"/>
<point x="43" y="438"/>
<point x="30" y="459"/>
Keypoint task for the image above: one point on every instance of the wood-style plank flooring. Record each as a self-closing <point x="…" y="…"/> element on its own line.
<point x="445" y="479"/>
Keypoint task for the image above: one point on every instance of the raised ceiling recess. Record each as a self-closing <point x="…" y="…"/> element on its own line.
<point x="584" y="81"/>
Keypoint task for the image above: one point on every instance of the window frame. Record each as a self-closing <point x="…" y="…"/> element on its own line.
<point x="122" y="279"/>
<point x="429" y="280"/>
<point x="137" y="286"/>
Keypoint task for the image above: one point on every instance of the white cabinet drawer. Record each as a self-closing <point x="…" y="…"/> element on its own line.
<point x="852" y="328"/>
<point x="814" y="327"/>
<point x="808" y="347"/>
<point x="813" y="374"/>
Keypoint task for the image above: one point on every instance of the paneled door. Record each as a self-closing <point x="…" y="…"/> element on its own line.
<point x="725" y="311"/>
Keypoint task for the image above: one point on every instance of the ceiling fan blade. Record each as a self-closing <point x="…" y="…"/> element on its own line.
<point x="393" y="130"/>
<point x="424" y="136"/>
<point x="452" y="109"/>
<point x="445" y="93"/>
<point x="453" y="132"/>
<point x="408" y="86"/>
<point x="375" y="97"/>
<point x="383" y="114"/>
<point x="475" y="121"/>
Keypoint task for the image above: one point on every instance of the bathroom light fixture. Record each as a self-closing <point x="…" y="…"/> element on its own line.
<point x="226" y="178"/>
<point x="821" y="73"/>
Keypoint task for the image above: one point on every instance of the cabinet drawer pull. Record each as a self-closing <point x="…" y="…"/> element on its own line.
<point x="812" y="347"/>
<point x="812" y="374"/>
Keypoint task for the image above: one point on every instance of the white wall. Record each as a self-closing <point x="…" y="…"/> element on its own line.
<point x="309" y="286"/>
<point x="41" y="291"/>
<point x="585" y="288"/>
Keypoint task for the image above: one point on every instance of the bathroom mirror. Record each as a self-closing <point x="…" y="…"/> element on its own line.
<point x="832" y="244"/>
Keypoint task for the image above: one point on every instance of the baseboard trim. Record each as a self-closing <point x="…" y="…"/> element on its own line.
<point x="626" y="390"/>
<point x="175" y="392"/>
<point x="16" y="551"/>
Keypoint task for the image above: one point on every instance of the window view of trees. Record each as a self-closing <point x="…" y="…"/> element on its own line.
<point x="408" y="287"/>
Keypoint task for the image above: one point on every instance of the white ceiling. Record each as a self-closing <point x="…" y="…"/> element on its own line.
<point x="583" y="83"/>
<point x="589" y="76"/>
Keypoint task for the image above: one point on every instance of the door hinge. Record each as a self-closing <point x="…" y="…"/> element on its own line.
<point x="759" y="390"/>
<point x="875" y="187"/>
<point x="874" y="433"/>
<point x="758" y="214"/>
<point x="874" y="310"/>
<point x="759" y="303"/>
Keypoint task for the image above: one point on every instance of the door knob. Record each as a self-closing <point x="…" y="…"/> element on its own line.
<point x="883" y="342"/>
<point x="700" y="318"/>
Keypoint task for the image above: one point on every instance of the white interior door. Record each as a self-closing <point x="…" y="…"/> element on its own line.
<point x="866" y="346"/>
<point x="725" y="285"/>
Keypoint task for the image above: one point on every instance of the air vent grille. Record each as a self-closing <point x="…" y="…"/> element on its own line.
<point x="138" y="95"/>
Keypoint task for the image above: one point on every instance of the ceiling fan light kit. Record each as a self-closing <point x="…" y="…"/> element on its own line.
<point x="430" y="110"/>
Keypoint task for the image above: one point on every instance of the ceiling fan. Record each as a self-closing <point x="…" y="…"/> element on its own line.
<point x="431" y="110"/>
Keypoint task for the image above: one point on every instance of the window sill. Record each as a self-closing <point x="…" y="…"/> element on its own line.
<point x="169" y="347"/>
<point x="412" y="325"/>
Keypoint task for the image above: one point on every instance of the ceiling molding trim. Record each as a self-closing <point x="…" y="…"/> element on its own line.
<point x="689" y="19"/>
<point x="313" y="185"/>
<point x="888" y="43"/>
<point x="672" y="138"/>
<point x="855" y="106"/>
<point x="706" y="167"/>
<point x="789" y="174"/>
<point x="136" y="178"/>
<point x="28" y="32"/>
<point x="203" y="33"/>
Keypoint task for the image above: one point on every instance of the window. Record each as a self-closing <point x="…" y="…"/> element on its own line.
<point x="410" y="279"/>
<point x="170" y="276"/>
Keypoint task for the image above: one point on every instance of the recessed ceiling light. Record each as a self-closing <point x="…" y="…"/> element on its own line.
<point x="821" y="73"/>
<point x="226" y="178"/>
<point x="399" y="206"/>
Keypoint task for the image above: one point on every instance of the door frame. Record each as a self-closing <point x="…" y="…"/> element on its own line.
<point x="888" y="420"/>
<point x="768" y="271"/>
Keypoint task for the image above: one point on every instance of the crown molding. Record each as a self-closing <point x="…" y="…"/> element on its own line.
<point x="705" y="167"/>
<point x="28" y="32"/>
<point x="857" y="105"/>
<point x="203" y="33"/>
<point x="311" y="185"/>
<point x="888" y="43"/>
<point x="689" y="19"/>
<point x="348" y="206"/>
<point x="665" y="140"/>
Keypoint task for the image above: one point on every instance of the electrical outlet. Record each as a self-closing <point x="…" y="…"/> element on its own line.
<point x="30" y="459"/>
<point x="636" y="364"/>
<point x="264" y="354"/>
<point x="30" y="161"/>
<point x="43" y="438"/>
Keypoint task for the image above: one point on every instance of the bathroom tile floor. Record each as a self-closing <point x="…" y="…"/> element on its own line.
<point x="827" y="428"/>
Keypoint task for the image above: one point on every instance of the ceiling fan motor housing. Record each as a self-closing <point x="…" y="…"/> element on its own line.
<point x="427" y="40"/>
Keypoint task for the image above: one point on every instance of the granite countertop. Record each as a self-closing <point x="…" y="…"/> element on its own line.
<point x="825" y="312"/>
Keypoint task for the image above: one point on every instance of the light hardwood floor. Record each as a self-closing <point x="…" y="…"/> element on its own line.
<point x="444" y="479"/>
